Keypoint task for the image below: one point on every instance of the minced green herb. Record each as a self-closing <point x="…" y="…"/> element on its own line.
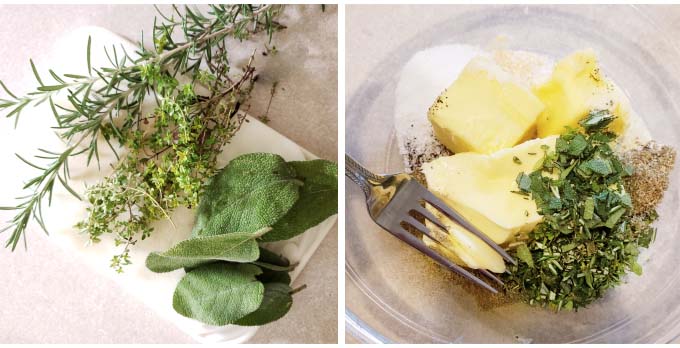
<point x="586" y="242"/>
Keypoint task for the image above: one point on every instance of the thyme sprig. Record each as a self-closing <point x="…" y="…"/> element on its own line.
<point x="170" y="151"/>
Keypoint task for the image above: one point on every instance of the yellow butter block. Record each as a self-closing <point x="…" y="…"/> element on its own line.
<point x="484" y="110"/>
<point x="479" y="187"/>
<point x="576" y="87"/>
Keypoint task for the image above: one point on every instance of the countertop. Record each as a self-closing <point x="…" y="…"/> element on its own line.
<point x="49" y="297"/>
<point x="373" y="31"/>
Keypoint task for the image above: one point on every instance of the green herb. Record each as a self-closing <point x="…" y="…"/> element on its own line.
<point x="171" y="151"/>
<point x="523" y="182"/>
<point x="318" y="200"/>
<point x="219" y="293"/>
<point x="265" y="117"/>
<point x="516" y="160"/>
<point x="235" y="247"/>
<point x="264" y="183"/>
<point x="524" y="255"/>
<point x="597" y="120"/>
<point x="586" y="242"/>
<point x="275" y="304"/>
<point x="268" y="259"/>
<point x="259" y="192"/>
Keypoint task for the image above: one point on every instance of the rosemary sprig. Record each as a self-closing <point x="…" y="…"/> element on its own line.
<point x="107" y="103"/>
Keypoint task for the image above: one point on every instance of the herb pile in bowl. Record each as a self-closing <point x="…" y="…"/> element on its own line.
<point x="588" y="239"/>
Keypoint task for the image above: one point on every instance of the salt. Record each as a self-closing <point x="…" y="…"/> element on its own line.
<point x="422" y="79"/>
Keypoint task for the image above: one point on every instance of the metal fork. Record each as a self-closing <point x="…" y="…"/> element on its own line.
<point x="392" y="198"/>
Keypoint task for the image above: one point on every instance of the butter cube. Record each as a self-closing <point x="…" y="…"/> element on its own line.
<point x="479" y="187"/>
<point x="484" y="110"/>
<point x="576" y="87"/>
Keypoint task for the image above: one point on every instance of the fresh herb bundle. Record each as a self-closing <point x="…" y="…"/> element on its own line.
<point x="586" y="242"/>
<point x="230" y="278"/>
<point x="165" y="155"/>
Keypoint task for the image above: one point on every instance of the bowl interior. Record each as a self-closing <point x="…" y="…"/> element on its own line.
<point x="395" y="294"/>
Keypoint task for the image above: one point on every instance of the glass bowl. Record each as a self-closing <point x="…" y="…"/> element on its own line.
<point x="394" y="294"/>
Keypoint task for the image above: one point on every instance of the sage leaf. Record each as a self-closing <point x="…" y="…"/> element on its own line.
<point x="234" y="247"/>
<point x="252" y="192"/>
<point x="270" y="257"/>
<point x="577" y="145"/>
<point x="270" y="276"/>
<point x="318" y="200"/>
<point x="275" y="267"/>
<point x="219" y="293"/>
<point x="270" y="260"/>
<point x="597" y="119"/>
<point x="275" y="304"/>
<point x="523" y="182"/>
<point x="599" y="165"/>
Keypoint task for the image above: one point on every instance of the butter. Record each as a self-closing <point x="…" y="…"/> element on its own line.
<point x="576" y="87"/>
<point x="479" y="187"/>
<point x="464" y="248"/>
<point x="484" y="110"/>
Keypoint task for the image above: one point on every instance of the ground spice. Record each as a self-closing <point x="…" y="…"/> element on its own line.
<point x="652" y="164"/>
<point x="415" y="159"/>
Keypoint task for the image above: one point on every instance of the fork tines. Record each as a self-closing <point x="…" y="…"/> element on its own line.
<point x="437" y="203"/>
<point x="418" y="244"/>
<point x="408" y="200"/>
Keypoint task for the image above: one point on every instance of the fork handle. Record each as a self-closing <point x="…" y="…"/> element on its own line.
<point x="360" y="175"/>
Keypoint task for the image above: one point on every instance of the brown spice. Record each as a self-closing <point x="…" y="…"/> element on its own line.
<point x="652" y="164"/>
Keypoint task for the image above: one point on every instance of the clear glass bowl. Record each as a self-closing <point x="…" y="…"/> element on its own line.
<point x="393" y="294"/>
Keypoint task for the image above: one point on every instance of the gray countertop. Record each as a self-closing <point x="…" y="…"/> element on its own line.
<point x="49" y="297"/>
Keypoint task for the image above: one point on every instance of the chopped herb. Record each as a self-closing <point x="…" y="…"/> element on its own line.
<point x="523" y="182"/>
<point x="589" y="208"/>
<point x="524" y="255"/>
<point x="588" y="239"/>
<point x="596" y="120"/>
<point x="516" y="160"/>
